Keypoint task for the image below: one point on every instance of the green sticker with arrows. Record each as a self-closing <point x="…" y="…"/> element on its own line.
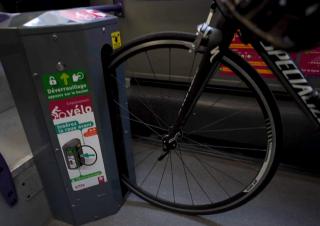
<point x="65" y="84"/>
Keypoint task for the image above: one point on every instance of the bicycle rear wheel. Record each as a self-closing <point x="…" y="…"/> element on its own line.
<point x="228" y="150"/>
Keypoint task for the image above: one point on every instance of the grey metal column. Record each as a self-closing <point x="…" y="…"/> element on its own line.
<point x="53" y="65"/>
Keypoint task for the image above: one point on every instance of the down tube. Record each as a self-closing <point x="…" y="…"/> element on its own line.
<point x="291" y="78"/>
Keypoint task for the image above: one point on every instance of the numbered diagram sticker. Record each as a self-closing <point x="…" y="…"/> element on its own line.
<point x="72" y="114"/>
<point x="116" y="39"/>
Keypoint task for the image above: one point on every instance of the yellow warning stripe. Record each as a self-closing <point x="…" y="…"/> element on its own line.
<point x="240" y="46"/>
<point x="258" y="63"/>
<point x="264" y="71"/>
<point x="260" y="71"/>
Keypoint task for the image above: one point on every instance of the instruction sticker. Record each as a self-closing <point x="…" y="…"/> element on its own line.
<point x="70" y="105"/>
<point x="64" y="85"/>
<point x="116" y="39"/>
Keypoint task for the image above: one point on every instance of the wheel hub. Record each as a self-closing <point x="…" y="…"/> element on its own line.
<point x="169" y="143"/>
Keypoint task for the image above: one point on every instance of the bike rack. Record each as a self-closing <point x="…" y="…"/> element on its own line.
<point x="70" y="135"/>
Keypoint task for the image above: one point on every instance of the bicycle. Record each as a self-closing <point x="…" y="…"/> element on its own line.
<point x="184" y="161"/>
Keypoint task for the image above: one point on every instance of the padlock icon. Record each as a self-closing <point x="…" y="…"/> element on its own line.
<point x="52" y="81"/>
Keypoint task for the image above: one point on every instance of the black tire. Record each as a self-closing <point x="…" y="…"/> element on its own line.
<point x="256" y="87"/>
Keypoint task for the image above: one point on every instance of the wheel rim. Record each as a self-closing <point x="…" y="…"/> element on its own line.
<point x="198" y="158"/>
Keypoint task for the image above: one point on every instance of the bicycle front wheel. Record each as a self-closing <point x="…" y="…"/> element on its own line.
<point x="228" y="149"/>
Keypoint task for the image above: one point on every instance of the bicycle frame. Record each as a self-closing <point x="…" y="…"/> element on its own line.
<point x="278" y="61"/>
<point x="291" y="77"/>
<point x="283" y="67"/>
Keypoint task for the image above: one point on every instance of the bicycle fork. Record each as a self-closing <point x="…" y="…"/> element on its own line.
<point x="208" y="66"/>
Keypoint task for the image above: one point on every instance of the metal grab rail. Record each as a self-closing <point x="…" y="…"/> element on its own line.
<point x="117" y="7"/>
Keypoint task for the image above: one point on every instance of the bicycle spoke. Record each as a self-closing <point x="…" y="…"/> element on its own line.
<point x="145" y="158"/>
<point x="174" y="199"/>
<point x="138" y="153"/>
<point x="147" y="106"/>
<point x="148" y="139"/>
<point x="222" y="147"/>
<point x="149" y="172"/>
<point x="194" y="178"/>
<point x="157" y="117"/>
<point x="137" y="118"/>
<point x="150" y="64"/>
<point x="228" y="157"/>
<point x="169" y="58"/>
<point x="143" y="123"/>
<point x="164" y="169"/>
<point x="216" y="122"/>
<point x="231" y="130"/>
<point x="217" y="100"/>
<point x="186" y="176"/>
<point x="222" y="172"/>
<point x="212" y="176"/>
